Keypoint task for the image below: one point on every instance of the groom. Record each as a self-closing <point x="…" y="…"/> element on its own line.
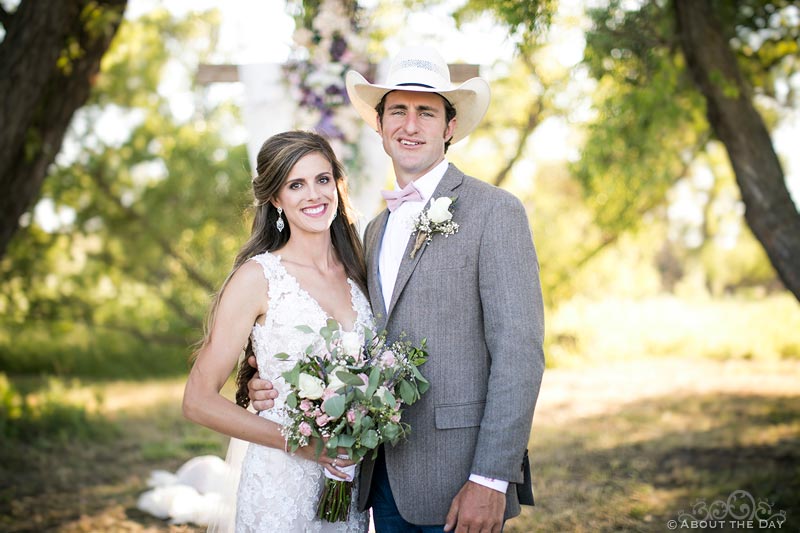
<point x="474" y="295"/>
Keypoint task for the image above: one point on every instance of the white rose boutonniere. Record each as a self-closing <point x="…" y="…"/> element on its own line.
<point x="438" y="218"/>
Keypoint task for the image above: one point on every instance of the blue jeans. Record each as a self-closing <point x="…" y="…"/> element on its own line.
<point x="384" y="511"/>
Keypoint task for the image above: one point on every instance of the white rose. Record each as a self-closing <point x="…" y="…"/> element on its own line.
<point x="334" y="383"/>
<point x="351" y="343"/>
<point x="440" y="210"/>
<point x="310" y="387"/>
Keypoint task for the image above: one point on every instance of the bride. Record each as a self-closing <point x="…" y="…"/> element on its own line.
<point x="302" y="264"/>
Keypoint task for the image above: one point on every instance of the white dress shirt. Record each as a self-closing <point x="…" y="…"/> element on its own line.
<point x="393" y="245"/>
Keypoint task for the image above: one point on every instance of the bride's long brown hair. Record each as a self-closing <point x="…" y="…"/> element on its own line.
<point x="275" y="160"/>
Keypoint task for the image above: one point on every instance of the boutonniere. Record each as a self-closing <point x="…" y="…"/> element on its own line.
<point x="438" y="218"/>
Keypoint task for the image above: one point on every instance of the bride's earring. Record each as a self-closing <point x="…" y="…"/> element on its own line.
<point x="279" y="223"/>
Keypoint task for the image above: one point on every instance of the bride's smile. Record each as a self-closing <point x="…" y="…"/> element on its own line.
<point x="308" y="197"/>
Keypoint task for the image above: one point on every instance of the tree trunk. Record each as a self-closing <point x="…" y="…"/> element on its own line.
<point x="48" y="57"/>
<point x="769" y="210"/>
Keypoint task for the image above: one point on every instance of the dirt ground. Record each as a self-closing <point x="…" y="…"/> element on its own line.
<point x="616" y="447"/>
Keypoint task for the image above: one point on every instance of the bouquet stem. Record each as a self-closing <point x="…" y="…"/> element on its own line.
<point x="334" y="504"/>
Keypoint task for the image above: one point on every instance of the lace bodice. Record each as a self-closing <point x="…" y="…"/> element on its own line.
<point x="278" y="491"/>
<point x="291" y="306"/>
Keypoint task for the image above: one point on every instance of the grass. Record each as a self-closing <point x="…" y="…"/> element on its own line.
<point x="628" y="446"/>
<point x="636" y="468"/>
<point x="617" y="447"/>
<point x="617" y="329"/>
<point x="621" y="442"/>
<point x="91" y="483"/>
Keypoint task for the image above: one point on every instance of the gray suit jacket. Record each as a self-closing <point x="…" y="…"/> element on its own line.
<point x="476" y="297"/>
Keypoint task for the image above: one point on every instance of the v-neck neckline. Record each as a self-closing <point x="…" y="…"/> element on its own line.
<point x="316" y="302"/>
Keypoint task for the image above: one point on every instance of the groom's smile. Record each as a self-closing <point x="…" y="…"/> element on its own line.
<point x="414" y="132"/>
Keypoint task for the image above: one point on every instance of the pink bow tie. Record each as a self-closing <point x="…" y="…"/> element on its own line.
<point x="395" y="199"/>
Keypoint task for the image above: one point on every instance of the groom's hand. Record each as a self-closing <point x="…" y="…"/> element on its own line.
<point x="261" y="393"/>
<point x="476" y="509"/>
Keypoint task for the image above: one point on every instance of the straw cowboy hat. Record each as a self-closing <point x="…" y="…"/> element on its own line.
<point x="421" y="69"/>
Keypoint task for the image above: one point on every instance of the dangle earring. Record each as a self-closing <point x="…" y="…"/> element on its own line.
<point x="279" y="223"/>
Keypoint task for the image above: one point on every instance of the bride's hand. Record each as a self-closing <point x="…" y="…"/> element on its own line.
<point x="331" y="464"/>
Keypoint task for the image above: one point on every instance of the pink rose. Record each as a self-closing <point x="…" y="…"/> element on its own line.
<point x="305" y="429"/>
<point x="395" y="418"/>
<point x="305" y="406"/>
<point x="330" y="392"/>
<point x="351" y="416"/>
<point x="365" y="381"/>
<point x="322" y="420"/>
<point x="388" y="359"/>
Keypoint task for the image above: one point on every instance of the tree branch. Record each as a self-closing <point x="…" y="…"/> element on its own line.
<point x="153" y="276"/>
<point x="769" y="209"/>
<point x="534" y="116"/>
<point x="144" y="222"/>
<point x="610" y="238"/>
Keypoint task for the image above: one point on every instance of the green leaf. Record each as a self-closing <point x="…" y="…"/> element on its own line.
<point x="370" y="439"/>
<point x="367" y="422"/>
<point x="391" y="431"/>
<point x="291" y="400"/>
<point x="334" y="406"/>
<point x="304" y="329"/>
<point x="374" y="378"/>
<point x="282" y="356"/>
<point x="423" y="386"/>
<point x="407" y="392"/>
<point x="326" y="333"/>
<point x="292" y="376"/>
<point x="346" y="441"/>
<point x="369" y="334"/>
<point x="389" y="399"/>
<point x="318" y="443"/>
<point x="349" y="379"/>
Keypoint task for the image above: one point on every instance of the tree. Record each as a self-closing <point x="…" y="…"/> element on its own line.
<point x="770" y="212"/>
<point x="670" y="81"/>
<point x="49" y="56"/>
<point x="121" y="286"/>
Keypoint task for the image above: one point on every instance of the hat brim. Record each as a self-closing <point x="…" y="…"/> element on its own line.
<point x="471" y="100"/>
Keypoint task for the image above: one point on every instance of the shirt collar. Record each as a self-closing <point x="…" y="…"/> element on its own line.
<point x="427" y="183"/>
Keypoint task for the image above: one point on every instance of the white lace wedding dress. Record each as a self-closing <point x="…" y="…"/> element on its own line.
<point x="279" y="492"/>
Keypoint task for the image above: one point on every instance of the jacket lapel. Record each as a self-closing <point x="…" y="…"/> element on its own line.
<point x="373" y="249"/>
<point x="451" y="180"/>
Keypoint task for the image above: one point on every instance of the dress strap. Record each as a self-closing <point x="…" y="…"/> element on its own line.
<point x="279" y="283"/>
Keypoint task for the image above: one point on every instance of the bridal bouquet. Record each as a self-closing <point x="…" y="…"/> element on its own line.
<point x="348" y="392"/>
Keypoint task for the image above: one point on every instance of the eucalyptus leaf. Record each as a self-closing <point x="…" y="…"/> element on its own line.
<point x="370" y="439"/>
<point x="292" y="376"/>
<point x="346" y="441"/>
<point x="291" y="400"/>
<point x="389" y="399"/>
<point x="374" y="379"/>
<point x="349" y="379"/>
<point x="334" y="406"/>
<point x="407" y="392"/>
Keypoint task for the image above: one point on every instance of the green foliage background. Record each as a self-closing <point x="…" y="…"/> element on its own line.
<point x="160" y="201"/>
<point x="122" y="290"/>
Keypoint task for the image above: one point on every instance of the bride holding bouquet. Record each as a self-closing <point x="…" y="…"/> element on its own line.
<point x="303" y="266"/>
